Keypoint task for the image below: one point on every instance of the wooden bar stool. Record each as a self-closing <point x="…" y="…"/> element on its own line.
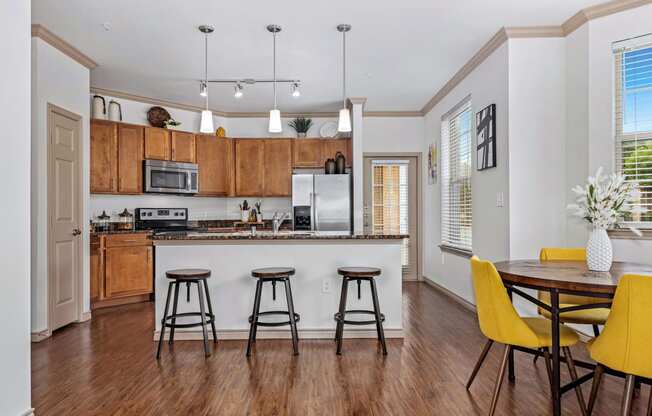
<point x="359" y="274"/>
<point x="187" y="276"/>
<point x="273" y="275"/>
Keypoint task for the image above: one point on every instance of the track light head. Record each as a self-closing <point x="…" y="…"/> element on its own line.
<point x="203" y="89"/>
<point x="296" y="93"/>
<point x="237" y="90"/>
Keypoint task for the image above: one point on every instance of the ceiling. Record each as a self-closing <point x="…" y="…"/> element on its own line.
<point x="399" y="52"/>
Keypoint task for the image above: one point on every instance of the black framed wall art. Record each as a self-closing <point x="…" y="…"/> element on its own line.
<point x="485" y="124"/>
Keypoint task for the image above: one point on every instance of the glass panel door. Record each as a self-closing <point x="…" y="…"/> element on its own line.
<point x="390" y="204"/>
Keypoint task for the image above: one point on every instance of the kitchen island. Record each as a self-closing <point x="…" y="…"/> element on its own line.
<point x="316" y="285"/>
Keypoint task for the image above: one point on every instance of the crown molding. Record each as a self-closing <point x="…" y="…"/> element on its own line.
<point x="41" y="32"/>
<point x="566" y="28"/>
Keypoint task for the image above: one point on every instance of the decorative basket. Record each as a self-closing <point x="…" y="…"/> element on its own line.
<point x="157" y="116"/>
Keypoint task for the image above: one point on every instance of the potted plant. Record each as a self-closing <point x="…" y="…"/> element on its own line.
<point x="171" y="124"/>
<point x="603" y="202"/>
<point x="301" y="125"/>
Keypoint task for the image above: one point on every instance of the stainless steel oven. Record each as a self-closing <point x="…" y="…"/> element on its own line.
<point x="170" y="177"/>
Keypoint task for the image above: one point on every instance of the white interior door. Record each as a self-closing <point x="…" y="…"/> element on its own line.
<point x="64" y="210"/>
<point x="390" y="204"/>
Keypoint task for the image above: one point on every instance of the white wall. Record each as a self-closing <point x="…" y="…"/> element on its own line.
<point x="487" y="84"/>
<point x="537" y="127"/>
<point x="393" y="134"/>
<point x="59" y="80"/>
<point x="15" y="395"/>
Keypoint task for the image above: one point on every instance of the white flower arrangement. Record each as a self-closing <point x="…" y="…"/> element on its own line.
<point x="605" y="199"/>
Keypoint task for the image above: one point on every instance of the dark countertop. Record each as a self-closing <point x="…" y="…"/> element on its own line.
<point x="109" y="232"/>
<point x="283" y="235"/>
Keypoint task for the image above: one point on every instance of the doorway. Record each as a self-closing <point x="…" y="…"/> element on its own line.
<point x="64" y="217"/>
<point x="392" y="203"/>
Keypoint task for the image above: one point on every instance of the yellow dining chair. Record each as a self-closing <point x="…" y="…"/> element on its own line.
<point x="625" y="342"/>
<point x="593" y="317"/>
<point x="500" y="322"/>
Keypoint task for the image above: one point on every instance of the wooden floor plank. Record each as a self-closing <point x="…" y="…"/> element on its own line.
<point x="107" y="367"/>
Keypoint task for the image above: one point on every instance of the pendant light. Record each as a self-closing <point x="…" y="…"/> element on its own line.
<point x="344" y="124"/>
<point x="206" y="125"/>
<point x="274" y="114"/>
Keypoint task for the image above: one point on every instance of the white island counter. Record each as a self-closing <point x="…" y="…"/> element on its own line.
<point x="315" y="286"/>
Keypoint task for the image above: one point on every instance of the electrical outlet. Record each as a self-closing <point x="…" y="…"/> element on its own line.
<point x="326" y="286"/>
<point x="500" y="199"/>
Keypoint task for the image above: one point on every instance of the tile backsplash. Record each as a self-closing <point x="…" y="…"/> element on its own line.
<point x="199" y="208"/>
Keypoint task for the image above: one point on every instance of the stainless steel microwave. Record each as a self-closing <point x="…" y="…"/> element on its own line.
<point x="160" y="176"/>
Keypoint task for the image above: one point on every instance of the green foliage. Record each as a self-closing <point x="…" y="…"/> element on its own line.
<point x="637" y="165"/>
<point x="301" y="124"/>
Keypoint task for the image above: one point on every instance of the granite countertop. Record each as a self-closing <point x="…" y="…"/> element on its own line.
<point x="109" y="232"/>
<point x="267" y="235"/>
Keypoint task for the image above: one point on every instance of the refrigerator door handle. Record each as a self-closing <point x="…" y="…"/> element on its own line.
<point x="313" y="203"/>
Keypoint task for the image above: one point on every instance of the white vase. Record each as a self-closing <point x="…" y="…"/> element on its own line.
<point x="599" y="254"/>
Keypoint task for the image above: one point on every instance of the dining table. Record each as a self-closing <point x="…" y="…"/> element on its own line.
<point x="563" y="277"/>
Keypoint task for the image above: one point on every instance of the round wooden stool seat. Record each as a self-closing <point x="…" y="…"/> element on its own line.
<point x="188" y="274"/>
<point x="359" y="271"/>
<point x="272" y="272"/>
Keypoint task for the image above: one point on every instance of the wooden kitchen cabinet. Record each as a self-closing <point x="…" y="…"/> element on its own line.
<point x="215" y="161"/>
<point x="128" y="271"/>
<point x="104" y="154"/>
<point x="97" y="268"/>
<point x="130" y="159"/>
<point x="278" y="167"/>
<point x="330" y="147"/>
<point x="249" y="167"/>
<point x="182" y="146"/>
<point x="157" y="143"/>
<point x="121" y="269"/>
<point x="308" y="153"/>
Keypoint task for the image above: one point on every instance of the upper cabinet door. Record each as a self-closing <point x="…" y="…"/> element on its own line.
<point x="330" y="147"/>
<point x="249" y="167"/>
<point x="157" y="143"/>
<point x="183" y="147"/>
<point x="307" y="153"/>
<point x="278" y="167"/>
<point x="130" y="159"/>
<point x="104" y="154"/>
<point x="215" y="160"/>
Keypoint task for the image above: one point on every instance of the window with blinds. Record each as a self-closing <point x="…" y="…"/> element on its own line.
<point x="390" y="205"/>
<point x="456" y="168"/>
<point x="633" y="119"/>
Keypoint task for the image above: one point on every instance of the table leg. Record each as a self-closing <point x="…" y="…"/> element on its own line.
<point x="556" y="390"/>
<point x="510" y="372"/>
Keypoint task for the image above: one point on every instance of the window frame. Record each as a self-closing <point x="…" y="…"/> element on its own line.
<point x="445" y="185"/>
<point x="620" y="137"/>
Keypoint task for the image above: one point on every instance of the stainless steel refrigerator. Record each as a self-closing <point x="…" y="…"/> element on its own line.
<point x="322" y="202"/>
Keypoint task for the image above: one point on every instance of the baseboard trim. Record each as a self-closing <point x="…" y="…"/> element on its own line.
<point x="463" y="302"/>
<point x="85" y="316"/>
<point x="40" y="336"/>
<point x="28" y="412"/>
<point x="279" y="334"/>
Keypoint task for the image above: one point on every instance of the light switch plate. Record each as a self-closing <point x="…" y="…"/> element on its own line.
<point x="326" y="286"/>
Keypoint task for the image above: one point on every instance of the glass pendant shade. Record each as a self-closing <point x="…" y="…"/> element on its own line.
<point x="344" y="125"/>
<point x="206" y="125"/>
<point x="275" y="121"/>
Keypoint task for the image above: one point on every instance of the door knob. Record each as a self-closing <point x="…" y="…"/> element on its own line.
<point x="76" y="231"/>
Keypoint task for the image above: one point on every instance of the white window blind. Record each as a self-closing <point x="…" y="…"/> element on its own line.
<point x="633" y="119"/>
<point x="390" y="209"/>
<point x="456" y="168"/>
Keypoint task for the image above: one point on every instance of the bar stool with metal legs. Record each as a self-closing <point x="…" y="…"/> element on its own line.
<point x="273" y="275"/>
<point x="359" y="274"/>
<point x="187" y="276"/>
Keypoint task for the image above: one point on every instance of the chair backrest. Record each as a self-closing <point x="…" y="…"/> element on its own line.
<point x="498" y="319"/>
<point x="565" y="254"/>
<point x="625" y="342"/>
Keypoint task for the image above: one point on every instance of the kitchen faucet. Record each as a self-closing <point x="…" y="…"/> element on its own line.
<point x="277" y="220"/>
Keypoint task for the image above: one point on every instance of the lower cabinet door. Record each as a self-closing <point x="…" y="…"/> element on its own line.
<point x="129" y="271"/>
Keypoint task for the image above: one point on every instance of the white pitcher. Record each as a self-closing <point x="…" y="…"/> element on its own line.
<point x="99" y="107"/>
<point x="115" y="111"/>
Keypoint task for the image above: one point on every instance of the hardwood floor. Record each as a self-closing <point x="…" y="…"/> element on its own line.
<point x="107" y="367"/>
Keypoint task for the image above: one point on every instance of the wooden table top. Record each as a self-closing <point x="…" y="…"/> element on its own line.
<point x="567" y="275"/>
